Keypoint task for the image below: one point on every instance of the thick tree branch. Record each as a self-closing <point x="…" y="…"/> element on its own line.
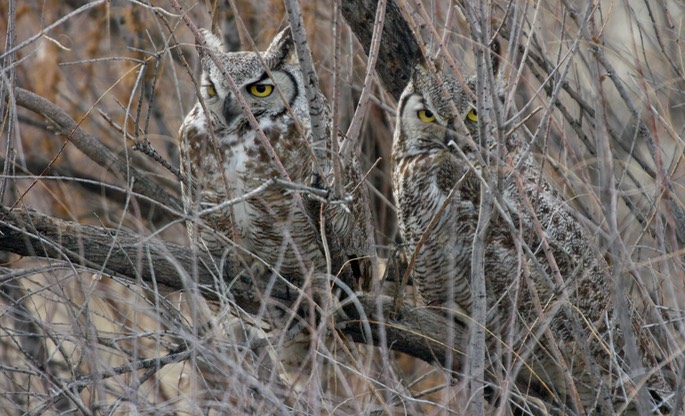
<point x="398" y="48"/>
<point x="114" y="252"/>
<point x="416" y="332"/>
<point x="93" y="148"/>
<point x="121" y="253"/>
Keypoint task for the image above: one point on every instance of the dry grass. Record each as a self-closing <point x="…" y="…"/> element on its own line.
<point x="74" y="340"/>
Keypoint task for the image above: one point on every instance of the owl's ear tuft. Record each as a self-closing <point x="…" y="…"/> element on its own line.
<point x="279" y="51"/>
<point x="210" y="41"/>
<point x="419" y="68"/>
<point x="419" y="64"/>
<point x="422" y="76"/>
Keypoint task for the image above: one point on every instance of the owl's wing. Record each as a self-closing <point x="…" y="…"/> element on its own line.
<point x="357" y="234"/>
<point x="350" y="225"/>
<point x="588" y="283"/>
<point x="452" y="172"/>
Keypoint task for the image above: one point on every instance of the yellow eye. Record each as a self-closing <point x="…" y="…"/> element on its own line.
<point x="426" y="116"/>
<point x="261" y="90"/>
<point x="211" y="91"/>
<point x="472" y="115"/>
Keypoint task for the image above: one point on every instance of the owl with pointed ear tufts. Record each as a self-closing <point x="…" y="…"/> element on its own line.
<point x="548" y="289"/>
<point x="225" y="157"/>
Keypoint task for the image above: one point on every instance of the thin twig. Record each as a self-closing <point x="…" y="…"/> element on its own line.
<point x="144" y="147"/>
<point x="94" y="149"/>
<point x="317" y="106"/>
<point x="353" y="131"/>
<point x="48" y="28"/>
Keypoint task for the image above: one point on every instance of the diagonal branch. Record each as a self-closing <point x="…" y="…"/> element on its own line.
<point x="317" y="106"/>
<point x="399" y="48"/>
<point x="93" y="148"/>
<point x="417" y="332"/>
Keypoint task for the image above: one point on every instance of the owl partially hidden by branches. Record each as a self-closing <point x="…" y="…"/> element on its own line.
<point x="550" y="301"/>
<point x="228" y="162"/>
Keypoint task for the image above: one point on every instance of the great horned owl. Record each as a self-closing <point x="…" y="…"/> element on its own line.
<point x="542" y="268"/>
<point x="224" y="157"/>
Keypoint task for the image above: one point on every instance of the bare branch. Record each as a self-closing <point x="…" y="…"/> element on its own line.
<point x="59" y="22"/>
<point x="317" y="106"/>
<point x="94" y="149"/>
<point x="417" y="332"/>
<point x="356" y="124"/>
<point x="399" y="48"/>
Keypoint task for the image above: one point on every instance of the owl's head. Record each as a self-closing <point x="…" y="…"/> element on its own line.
<point x="430" y="110"/>
<point x="259" y="87"/>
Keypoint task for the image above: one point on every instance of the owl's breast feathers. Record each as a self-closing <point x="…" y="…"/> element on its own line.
<point x="438" y="211"/>
<point x="423" y="183"/>
<point x="276" y="223"/>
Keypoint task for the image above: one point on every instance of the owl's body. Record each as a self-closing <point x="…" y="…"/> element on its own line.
<point x="224" y="158"/>
<point x="565" y="284"/>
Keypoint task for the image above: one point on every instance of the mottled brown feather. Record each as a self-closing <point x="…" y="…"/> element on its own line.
<point x="561" y="283"/>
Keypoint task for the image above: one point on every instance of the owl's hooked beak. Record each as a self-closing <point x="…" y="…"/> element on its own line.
<point x="451" y="135"/>
<point x="450" y="140"/>
<point x="231" y="109"/>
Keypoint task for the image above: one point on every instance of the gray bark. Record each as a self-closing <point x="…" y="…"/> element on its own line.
<point x="127" y="255"/>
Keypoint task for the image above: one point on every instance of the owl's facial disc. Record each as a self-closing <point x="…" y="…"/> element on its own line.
<point x="427" y="126"/>
<point x="420" y="121"/>
<point x="263" y="97"/>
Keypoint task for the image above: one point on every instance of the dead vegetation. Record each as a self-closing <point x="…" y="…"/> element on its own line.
<point x="105" y="311"/>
